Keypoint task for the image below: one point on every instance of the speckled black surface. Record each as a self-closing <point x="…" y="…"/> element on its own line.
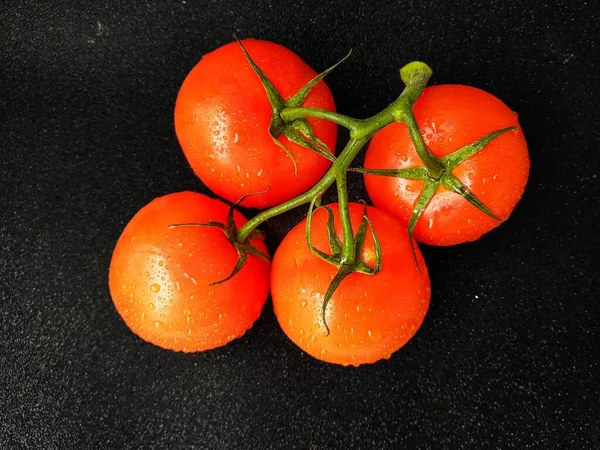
<point x="508" y="354"/>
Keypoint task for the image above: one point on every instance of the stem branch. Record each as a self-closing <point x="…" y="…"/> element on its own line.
<point x="293" y="113"/>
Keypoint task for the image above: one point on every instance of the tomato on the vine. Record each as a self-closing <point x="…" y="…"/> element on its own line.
<point x="369" y="316"/>
<point x="451" y="117"/>
<point x="222" y="118"/>
<point x="160" y="277"/>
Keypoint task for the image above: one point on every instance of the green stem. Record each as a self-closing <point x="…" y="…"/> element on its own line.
<point x="293" y="113"/>
<point x="346" y="157"/>
<point x="434" y="168"/>
<point x="348" y="255"/>
<point x="415" y="75"/>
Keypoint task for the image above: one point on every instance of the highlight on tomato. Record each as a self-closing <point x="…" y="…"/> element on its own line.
<point x="165" y="280"/>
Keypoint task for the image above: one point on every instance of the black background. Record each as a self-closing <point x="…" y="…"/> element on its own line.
<point x="507" y="356"/>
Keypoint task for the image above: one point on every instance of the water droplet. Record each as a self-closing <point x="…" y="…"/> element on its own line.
<point x="357" y="308"/>
<point x="178" y="286"/>
<point x="161" y="263"/>
<point x="151" y="306"/>
<point x="375" y="335"/>
<point x="303" y="303"/>
<point x="147" y="273"/>
<point x="235" y="138"/>
<point x="158" y="324"/>
<point x="155" y="287"/>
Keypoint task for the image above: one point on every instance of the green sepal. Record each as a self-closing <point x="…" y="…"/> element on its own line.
<point x="219" y="225"/>
<point x="453" y="184"/>
<point x="300" y="96"/>
<point x="427" y="192"/>
<point x="331" y="259"/>
<point x="412" y="173"/>
<point x="342" y="273"/>
<point x="455" y="158"/>
<point x="285" y="149"/>
<point x="299" y="131"/>
<point x="361" y="266"/>
<point x="275" y="99"/>
<point x="336" y="248"/>
<point x="229" y="229"/>
<point x="242" y="258"/>
<point x="334" y="241"/>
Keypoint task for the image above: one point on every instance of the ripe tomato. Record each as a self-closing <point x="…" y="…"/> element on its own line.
<point x="160" y="277"/>
<point x="369" y="316"/>
<point x="450" y="117"/>
<point x="222" y="118"/>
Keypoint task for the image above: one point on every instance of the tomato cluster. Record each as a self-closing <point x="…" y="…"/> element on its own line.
<point x="349" y="284"/>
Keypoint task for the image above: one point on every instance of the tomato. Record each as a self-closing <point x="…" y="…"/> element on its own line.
<point x="222" y="117"/>
<point x="369" y="316"/>
<point x="160" y="277"/>
<point x="450" y="117"/>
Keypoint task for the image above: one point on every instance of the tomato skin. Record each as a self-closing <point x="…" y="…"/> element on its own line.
<point x="369" y="316"/>
<point x="222" y="118"/>
<point x="450" y="117"/>
<point x="159" y="277"/>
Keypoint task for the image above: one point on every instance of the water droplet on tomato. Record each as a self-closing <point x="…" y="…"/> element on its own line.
<point x="303" y="304"/>
<point x="158" y="324"/>
<point x="375" y="335"/>
<point x="155" y="287"/>
<point x="178" y="286"/>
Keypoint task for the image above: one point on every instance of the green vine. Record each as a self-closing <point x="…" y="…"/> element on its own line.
<point x="289" y="119"/>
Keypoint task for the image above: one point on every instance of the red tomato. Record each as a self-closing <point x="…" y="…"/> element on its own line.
<point x="369" y="316"/>
<point x="450" y="117"/>
<point x="222" y="118"/>
<point x="160" y="277"/>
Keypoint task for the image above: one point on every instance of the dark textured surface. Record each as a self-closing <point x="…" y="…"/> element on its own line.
<point x="508" y="354"/>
